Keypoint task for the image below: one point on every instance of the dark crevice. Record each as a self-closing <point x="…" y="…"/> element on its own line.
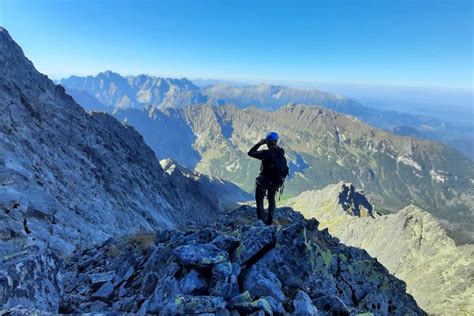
<point x="25" y="226"/>
<point x="246" y="266"/>
<point x="29" y="108"/>
<point x="353" y="296"/>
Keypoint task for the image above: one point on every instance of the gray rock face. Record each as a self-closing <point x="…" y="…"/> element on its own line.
<point x="303" y="269"/>
<point x="24" y="278"/>
<point x="68" y="174"/>
<point x="70" y="179"/>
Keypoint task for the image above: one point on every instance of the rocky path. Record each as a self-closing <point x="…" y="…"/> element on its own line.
<point x="237" y="265"/>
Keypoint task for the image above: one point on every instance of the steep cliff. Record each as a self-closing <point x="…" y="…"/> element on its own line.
<point x="69" y="178"/>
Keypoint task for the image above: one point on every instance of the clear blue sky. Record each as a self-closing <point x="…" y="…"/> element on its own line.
<point x="409" y="43"/>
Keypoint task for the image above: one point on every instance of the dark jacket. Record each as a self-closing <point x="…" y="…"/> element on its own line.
<point x="266" y="173"/>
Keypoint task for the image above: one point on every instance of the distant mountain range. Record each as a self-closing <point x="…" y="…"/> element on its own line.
<point x="117" y="92"/>
<point x="410" y="243"/>
<point x="110" y="92"/>
<point x="323" y="147"/>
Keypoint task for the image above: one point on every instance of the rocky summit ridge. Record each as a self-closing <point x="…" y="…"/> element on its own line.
<point x="234" y="266"/>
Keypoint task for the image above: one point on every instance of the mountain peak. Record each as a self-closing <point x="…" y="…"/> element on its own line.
<point x="4" y="32"/>
<point x="109" y="74"/>
<point x="5" y="36"/>
<point x="9" y="48"/>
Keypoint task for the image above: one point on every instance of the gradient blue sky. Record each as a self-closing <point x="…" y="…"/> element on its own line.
<point x="408" y="43"/>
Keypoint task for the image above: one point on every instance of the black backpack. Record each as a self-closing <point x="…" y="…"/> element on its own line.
<point x="279" y="167"/>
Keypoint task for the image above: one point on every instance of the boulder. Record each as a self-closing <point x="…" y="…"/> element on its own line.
<point x="259" y="305"/>
<point x="277" y="307"/>
<point x="222" y="271"/>
<point x="254" y="240"/>
<point x="101" y="277"/>
<point x="244" y="297"/>
<point x="129" y="273"/>
<point x="166" y="290"/>
<point x="193" y="283"/>
<point x="263" y="282"/>
<point x="200" y="254"/>
<point x="227" y="243"/>
<point x="124" y="305"/>
<point x="104" y="292"/>
<point x="302" y="305"/>
<point x="220" y="289"/>
<point x="98" y="306"/>
<point x="233" y="287"/>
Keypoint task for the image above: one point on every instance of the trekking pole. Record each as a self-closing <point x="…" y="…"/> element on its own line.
<point x="281" y="191"/>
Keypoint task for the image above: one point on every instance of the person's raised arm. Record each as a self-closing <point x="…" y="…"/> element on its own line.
<point x="255" y="153"/>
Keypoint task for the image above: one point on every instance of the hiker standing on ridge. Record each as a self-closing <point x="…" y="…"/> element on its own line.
<point x="273" y="172"/>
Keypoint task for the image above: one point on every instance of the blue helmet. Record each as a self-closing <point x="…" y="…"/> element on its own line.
<point x="272" y="136"/>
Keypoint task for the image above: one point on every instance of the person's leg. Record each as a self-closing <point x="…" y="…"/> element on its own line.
<point x="271" y="205"/>
<point x="259" y="195"/>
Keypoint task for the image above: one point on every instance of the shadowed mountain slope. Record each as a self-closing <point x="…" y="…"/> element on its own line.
<point x="410" y="243"/>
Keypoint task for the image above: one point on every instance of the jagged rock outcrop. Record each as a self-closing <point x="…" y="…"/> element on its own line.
<point x="221" y="193"/>
<point x="410" y="243"/>
<point x="30" y="284"/>
<point x="292" y="267"/>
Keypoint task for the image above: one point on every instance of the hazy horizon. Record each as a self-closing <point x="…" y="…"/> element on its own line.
<point x="407" y="43"/>
<point x="293" y="84"/>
